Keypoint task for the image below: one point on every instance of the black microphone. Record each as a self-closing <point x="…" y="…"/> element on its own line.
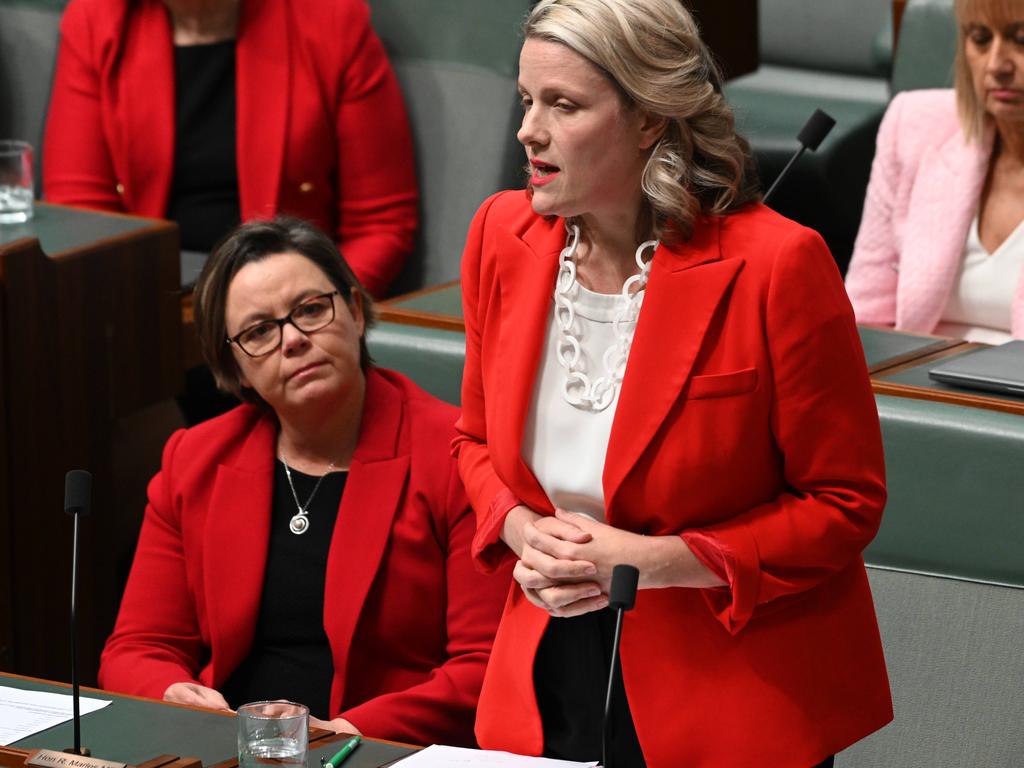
<point x="77" y="502"/>
<point x="810" y="137"/>
<point x="621" y="598"/>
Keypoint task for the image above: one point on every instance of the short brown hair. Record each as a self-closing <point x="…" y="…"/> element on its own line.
<point x="254" y="242"/>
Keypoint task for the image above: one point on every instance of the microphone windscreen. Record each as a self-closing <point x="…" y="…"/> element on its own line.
<point x="815" y="130"/>
<point x="77" y="492"/>
<point x="623" y="592"/>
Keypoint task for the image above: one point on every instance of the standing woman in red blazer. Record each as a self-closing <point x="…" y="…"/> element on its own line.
<point x="663" y="372"/>
<point x="313" y="543"/>
<point x="211" y="112"/>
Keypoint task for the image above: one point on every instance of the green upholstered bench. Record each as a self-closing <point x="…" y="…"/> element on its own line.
<point x="927" y="46"/>
<point x="828" y="54"/>
<point x="947" y="573"/>
<point x="28" y="52"/>
<point x="456" y="61"/>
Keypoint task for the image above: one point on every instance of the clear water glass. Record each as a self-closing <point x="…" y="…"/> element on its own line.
<point x="16" y="184"/>
<point x="273" y="733"/>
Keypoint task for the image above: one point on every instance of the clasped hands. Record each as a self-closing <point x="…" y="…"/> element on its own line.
<point x="566" y="560"/>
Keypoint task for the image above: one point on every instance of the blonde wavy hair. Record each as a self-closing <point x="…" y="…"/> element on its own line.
<point x="651" y="50"/>
<point x="994" y="13"/>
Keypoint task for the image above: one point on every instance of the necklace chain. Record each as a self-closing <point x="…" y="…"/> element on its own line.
<point x="299" y="523"/>
<point x="578" y="390"/>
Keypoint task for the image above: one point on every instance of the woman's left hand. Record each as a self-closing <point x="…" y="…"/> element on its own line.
<point x="338" y="725"/>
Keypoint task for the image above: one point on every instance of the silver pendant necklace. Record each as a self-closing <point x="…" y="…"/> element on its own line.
<point x="299" y="523"/>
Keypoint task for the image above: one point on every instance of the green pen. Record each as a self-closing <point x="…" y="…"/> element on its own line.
<point x="342" y="754"/>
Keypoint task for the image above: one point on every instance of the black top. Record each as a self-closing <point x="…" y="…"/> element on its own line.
<point x="290" y="657"/>
<point x="204" y="190"/>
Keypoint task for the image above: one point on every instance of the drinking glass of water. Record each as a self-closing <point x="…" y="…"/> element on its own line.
<point x="15" y="182"/>
<point x="272" y="733"/>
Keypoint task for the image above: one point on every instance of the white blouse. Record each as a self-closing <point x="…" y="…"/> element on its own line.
<point x="565" y="446"/>
<point x="980" y="305"/>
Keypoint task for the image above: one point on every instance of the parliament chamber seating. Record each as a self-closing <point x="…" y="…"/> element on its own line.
<point x="459" y="84"/>
<point x="28" y="51"/>
<point x="947" y="568"/>
<point x="828" y="54"/>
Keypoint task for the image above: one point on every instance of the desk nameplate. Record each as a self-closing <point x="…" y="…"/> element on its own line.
<point x="51" y="758"/>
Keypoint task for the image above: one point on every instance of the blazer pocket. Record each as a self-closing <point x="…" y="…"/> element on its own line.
<point x="723" y="384"/>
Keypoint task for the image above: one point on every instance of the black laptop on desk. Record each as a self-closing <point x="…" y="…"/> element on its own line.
<point x="993" y="369"/>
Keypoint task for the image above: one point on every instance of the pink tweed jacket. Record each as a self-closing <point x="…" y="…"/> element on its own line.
<point x="926" y="183"/>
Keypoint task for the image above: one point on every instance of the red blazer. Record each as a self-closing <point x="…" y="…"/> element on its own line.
<point x="322" y="131"/>
<point x="746" y="423"/>
<point x="409" y="620"/>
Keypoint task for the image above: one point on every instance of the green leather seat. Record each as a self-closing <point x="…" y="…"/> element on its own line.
<point x="927" y="46"/>
<point x="28" y="51"/>
<point x="828" y="54"/>
<point x="456" y="61"/>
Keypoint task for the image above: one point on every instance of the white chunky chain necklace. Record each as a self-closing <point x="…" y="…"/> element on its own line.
<point x="579" y="391"/>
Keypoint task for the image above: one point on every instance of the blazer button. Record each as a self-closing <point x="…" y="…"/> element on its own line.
<point x="119" y="188"/>
<point x="306" y="187"/>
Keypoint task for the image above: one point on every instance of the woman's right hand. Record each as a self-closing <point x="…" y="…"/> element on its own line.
<point x="559" y="586"/>
<point x="195" y="695"/>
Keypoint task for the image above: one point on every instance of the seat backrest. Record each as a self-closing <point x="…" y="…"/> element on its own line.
<point x="456" y="61"/>
<point x="953" y="651"/>
<point x="927" y="46"/>
<point x="28" y="50"/>
<point x="833" y="35"/>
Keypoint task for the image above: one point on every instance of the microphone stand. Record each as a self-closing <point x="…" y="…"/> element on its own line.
<point x="810" y="137"/>
<point x="77" y="493"/>
<point x="621" y="598"/>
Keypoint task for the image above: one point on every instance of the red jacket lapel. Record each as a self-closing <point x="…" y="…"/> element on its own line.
<point x="373" y="493"/>
<point x="526" y="276"/>
<point x="235" y="548"/>
<point x="145" y="109"/>
<point x="263" y="88"/>
<point x="686" y="285"/>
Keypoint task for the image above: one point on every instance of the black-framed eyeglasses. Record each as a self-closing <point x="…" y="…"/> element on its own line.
<point x="264" y="337"/>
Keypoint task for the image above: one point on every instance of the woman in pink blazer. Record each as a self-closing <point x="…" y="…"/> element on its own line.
<point x="660" y="371"/>
<point x="314" y="543"/>
<point x="941" y="248"/>
<point x="287" y="107"/>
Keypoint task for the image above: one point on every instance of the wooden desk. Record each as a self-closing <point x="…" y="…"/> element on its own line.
<point x="135" y="730"/>
<point x="90" y="329"/>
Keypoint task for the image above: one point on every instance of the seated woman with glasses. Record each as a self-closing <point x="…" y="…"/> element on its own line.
<point x="312" y="544"/>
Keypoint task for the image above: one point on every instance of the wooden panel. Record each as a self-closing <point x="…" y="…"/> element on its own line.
<point x="90" y="335"/>
<point x="731" y="32"/>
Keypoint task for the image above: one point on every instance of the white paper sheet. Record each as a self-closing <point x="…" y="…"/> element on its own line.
<point x="457" y="757"/>
<point x="23" y="713"/>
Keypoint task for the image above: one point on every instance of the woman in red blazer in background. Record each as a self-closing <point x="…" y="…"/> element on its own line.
<point x="211" y="113"/>
<point x="314" y="543"/>
<point x="736" y="459"/>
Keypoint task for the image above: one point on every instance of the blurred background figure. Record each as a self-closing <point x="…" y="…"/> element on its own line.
<point x="212" y="112"/>
<point x="941" y="246"/>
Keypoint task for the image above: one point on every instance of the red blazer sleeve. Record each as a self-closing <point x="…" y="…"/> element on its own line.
<point x="377" y="197"/>
<point x="445" y="703"/>
<point x="825" y="422"/>
<point x="491" y="498"/>
<point x="77" y="167"/>
<point x="157" y="639"/>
